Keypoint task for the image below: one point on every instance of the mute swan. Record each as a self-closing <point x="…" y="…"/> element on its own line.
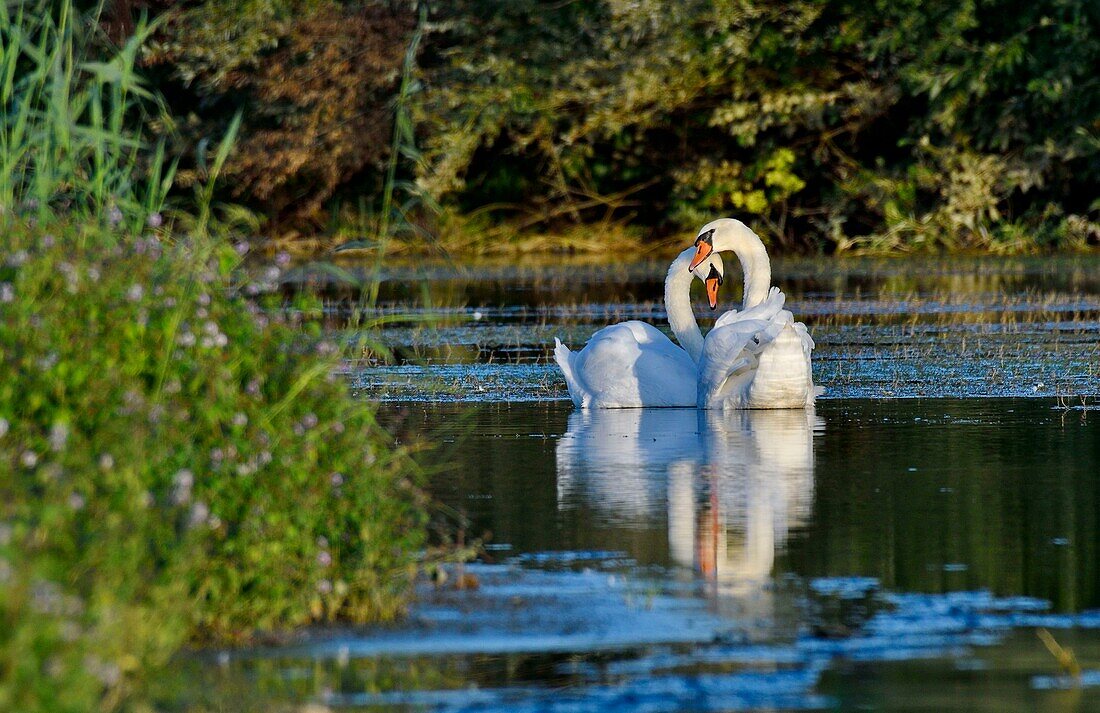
<point x="759" y="357"/>
<point x="633" y="364"/>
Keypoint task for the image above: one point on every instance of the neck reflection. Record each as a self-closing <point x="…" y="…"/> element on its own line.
<point x="729" y="486"/>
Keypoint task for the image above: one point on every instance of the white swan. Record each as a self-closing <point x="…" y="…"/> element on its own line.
<point x="633" y="364"/>
<point x="758" y="358"/>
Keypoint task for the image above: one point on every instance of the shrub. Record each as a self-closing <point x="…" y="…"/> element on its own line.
<point x="837" y="123"/>
<point x="176" y="463"/>
<point x="179" y="464"/>
<point x="315" y="78"/>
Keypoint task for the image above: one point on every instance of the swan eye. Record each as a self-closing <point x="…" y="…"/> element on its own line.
<point x="707" y="237"/>
<point x="715" y="275"/>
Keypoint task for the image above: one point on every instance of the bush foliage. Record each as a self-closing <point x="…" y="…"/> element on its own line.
<point x="315" y="80"/>
<point x="178" y="461"/>
<point x="827" y="123"/>
<point x="178" y="466"/>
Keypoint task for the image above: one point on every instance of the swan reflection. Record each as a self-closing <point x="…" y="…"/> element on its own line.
<point x="732" y="485"/>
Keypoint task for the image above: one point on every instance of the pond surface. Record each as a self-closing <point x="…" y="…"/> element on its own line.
<point x="902" y="547"/>
<point x="958" y="327"/>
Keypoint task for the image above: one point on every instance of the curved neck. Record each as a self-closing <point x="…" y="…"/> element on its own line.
<point x="752" y="255"/>
<point x="681" y="318"/>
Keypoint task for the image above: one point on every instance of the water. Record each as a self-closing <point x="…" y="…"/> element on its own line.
<point x="929" y="495"/>
<point x="959" y="327"/>
<point x="877" y="554"/>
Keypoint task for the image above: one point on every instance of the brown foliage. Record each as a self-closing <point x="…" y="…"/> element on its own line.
<point x="319" y="108"/>
<point x="117" y="18"/>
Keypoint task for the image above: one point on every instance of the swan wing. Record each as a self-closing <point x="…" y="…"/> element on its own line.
<point x="728" y="351"/>
<point x="728" y="317"/>
<point x="804" y="336"/>
<point x="645" y="333"/>
<point x="631" y="364"/>
<point x="767" y="309"/>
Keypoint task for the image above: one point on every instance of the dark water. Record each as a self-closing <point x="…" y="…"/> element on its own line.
<point x="873" y="555"/>
<point x="899" y="549"/>
<point x="925" y="495"/>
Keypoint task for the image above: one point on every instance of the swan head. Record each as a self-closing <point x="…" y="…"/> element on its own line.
<point x="710" y="271"/>
<point x="713" y="281"/>
<point x="717" y="230"/>
<point x="704" y="248"/>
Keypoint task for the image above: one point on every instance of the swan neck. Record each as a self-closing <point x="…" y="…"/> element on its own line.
<point x="753" y="257"/>
<point x="681" y="318"/>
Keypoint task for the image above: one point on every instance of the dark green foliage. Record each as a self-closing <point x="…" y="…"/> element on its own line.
<point x="828" y="124"/>
<point x="314" y="81"/>
<point x="889" y="124"/>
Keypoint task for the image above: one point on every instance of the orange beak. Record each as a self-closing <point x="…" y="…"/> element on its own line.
<point x="712" y="291"/>
<point x="702" y="251"/>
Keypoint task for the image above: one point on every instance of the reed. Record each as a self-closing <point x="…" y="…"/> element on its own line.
<point x="72" y="120"/>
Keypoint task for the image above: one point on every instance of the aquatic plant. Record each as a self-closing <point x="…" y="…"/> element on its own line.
<point x="71" y="118"/>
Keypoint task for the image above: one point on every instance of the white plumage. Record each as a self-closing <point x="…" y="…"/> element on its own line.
<point x="758" y="358"/>
<point x="633" y="364"/>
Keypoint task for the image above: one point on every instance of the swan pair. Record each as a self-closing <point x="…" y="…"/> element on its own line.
<point x="758" y="358"/>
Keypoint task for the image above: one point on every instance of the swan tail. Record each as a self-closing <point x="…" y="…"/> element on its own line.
<point x="564" y="357"/>
<point x="812" y="391"/>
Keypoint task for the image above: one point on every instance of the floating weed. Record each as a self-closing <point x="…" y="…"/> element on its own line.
<point x="1067" y="660"/>
<point x="883" y="328"/>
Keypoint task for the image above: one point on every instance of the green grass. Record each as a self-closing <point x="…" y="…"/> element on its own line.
<point x="67" y="118"/>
